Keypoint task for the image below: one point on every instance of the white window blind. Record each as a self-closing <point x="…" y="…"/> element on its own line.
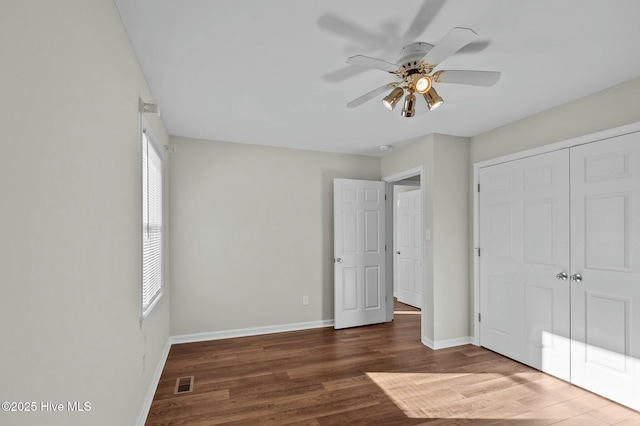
<point x="151" y="225"/>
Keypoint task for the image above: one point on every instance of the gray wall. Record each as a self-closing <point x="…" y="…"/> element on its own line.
<point x="613" y="107"/>
<point x="252" y="233"/>
<point x="445" y="204"/>
<point x="70" y="237"/>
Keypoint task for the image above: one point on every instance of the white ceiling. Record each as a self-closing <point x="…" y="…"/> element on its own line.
<point x="273" y="72"/>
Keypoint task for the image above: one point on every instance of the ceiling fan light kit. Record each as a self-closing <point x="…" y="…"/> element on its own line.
<point x="422" y="84"/>
<point x="433" y="99"/>
<point x="391" y="100"/>
<point x="409" y="109"/>
<point x="415" y="72"/>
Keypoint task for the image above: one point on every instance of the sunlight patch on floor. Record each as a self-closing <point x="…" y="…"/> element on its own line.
<point x="431" y="395"/>
<point x="406" y="312"/>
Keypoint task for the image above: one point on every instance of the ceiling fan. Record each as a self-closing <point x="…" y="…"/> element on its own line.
<point x="415" y="75"/>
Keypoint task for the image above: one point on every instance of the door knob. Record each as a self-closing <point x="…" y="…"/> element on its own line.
<point x="338" y="260"/>
<point x="398" y="252"/>
<point x="562" y="276"/>
<point x="576" y="277"/>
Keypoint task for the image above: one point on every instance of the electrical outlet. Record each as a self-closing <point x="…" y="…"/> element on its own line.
<point x="305" y="300"/>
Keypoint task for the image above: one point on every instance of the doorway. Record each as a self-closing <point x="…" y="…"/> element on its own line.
<point x="407" y="244"/>
<point x="405" y="259"/>
<point x="363" y="249"/>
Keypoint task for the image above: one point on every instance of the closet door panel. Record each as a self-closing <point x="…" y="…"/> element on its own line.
<point x="605" y="253"/>
<point x="524" y="229"/>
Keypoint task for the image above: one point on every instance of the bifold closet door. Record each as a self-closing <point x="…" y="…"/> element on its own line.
<point x="524" y="240"/>
<point x="605" y="268"/>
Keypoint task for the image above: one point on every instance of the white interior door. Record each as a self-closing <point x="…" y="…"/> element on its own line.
<point x="605" y="252"/>
<point x="409" y="250"/>
<point x="359" y="252"/>
<point x="524" y="240"/>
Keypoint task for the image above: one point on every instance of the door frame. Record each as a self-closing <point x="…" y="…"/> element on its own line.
<point x="389" y="230"/>
<point x="477" y="244"/>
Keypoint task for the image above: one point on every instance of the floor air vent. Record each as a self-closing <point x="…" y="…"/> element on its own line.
<point x="183" y="385"/>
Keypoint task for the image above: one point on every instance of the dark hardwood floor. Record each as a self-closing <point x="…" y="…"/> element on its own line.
<point x="375" y="375"/>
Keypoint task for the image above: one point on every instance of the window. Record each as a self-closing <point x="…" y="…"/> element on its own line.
<point x="152" y="285"/>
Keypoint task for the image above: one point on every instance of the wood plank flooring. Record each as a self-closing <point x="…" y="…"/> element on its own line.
<point x="375" y="375"/>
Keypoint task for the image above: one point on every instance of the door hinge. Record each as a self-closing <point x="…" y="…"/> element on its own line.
<point x="478" y="187"/>
<point x="478" y="251"/>
<point x="479" y="317"/>
<point x="385" y="197"/>
<point x="385" y="247"/>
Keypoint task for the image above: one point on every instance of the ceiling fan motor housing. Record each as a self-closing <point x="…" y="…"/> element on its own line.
<point x="411" y="56"/>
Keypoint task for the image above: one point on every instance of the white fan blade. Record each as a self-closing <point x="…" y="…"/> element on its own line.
<point x="343" y="73"/>
<point x="472" y="78"/>
<point x="368" y="96"/>
<point x="455" y="40"/>
<point x="424" y="16"/>
<point x="368" y="62"/>
<point x="350" y="30"/>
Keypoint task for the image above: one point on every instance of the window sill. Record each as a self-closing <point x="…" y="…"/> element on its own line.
<point x="150" y="308"/>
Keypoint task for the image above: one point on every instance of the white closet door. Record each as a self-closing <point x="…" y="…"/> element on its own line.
<point x="524" y="240"/>
<point x="410" y="248"/>
<point x="605" y="252"/>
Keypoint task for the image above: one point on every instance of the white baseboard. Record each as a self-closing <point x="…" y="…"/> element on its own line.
<point x="449" y="343"/>
<point x="254" y="331"/>
<point x="144" y="413"/>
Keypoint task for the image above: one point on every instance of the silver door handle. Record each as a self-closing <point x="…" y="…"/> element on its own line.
<point x="339" y="260"/>
<point x="576" y="277"/>
<point x="562" y="276"/>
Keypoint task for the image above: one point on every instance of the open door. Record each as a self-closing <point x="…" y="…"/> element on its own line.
<point x="409" y="250"/>
<point x="359" y="252"/>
